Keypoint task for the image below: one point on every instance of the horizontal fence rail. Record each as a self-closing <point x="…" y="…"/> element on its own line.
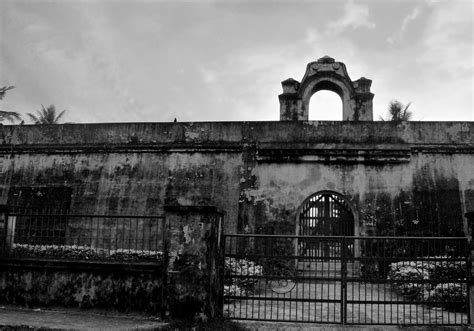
<point x="347" y="280"/>
<point x="84" y="237"/>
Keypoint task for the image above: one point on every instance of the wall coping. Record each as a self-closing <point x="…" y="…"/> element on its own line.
<point x="227" y="136"/>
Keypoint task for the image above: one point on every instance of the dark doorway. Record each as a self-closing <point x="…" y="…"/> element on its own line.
<point x="325" y="213"/>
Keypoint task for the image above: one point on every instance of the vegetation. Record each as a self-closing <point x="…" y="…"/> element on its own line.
<point x="439" y="282"/>
<point x="240" y="267"/>
<point x="10" y="116"/>
<point x="46" y="115"/>
<point x="398" y="112"/>
<point x="83" y="253"/>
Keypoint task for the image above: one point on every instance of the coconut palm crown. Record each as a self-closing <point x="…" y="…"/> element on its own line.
<point x="46" y="115"/>
<point x="398" y="112"/>
<point x="8" y="115"/>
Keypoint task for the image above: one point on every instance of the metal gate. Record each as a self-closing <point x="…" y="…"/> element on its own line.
<point x="324" y="214"/>
<point x="371" y="280"/>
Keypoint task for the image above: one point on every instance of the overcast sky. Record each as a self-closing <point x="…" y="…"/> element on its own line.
<point x="152" y="61"/>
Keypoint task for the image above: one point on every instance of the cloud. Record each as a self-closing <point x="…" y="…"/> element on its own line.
<point x="397" y="37"/>
<point x="447" y="40"/>
<point x="355" y="16"/>
<point x="410" y="17"/>
<point x="114" y="61"/>
<point x="209" y="76"/>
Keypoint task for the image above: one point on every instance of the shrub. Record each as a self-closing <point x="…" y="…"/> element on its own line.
<point x="431" y="281"/>
<point x="83" y="253"/>
<point x="448" y="295"/>
<point x="235" y="286"/>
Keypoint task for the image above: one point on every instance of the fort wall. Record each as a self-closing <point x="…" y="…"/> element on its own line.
<point x="258" y="172"/>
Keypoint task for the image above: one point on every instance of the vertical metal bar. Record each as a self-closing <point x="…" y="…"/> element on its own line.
<point x="468" y="258"/>
<point x="222" y="249"/>
<point x="165" y="238"/>
<point x="129" y="234"/>
<point x="88" y="234"/>
<point x="122" y="244"/>
<point x="53" y="231"/>
<point x="116" y="233"/>
<point x="136" y="220"/>
<point x="165" y="262"/>
<point x="109" y="244"/>
<point x="344" y="281"/>
<point x="143" y="231"/>
<point x="97" y="239"/>
<point x="30" y="228"/>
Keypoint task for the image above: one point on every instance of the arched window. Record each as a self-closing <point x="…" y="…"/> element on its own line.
<point x="325" y="105"/>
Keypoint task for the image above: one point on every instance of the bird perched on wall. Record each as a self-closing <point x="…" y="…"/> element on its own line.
<point x="175" y="120"/>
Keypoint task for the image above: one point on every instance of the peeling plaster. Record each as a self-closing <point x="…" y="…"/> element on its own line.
<point x="191" y="135"/>
<point x="187" y="233"/>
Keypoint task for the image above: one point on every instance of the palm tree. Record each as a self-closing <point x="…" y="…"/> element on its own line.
<point x="398" y="112"/>
<point x="8" y="115"/>
<point x="46" y="115"/>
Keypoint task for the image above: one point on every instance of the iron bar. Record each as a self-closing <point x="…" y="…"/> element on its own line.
<point x="85" y="236"/>
<point x="391" y="280"/>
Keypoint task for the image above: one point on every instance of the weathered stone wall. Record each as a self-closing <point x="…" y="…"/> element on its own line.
<point x="416" y="193"/>
<point x="257" y="172"/>
<point x="43" y="284"/>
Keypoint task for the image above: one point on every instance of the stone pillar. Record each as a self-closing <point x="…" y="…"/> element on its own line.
<point x="196" y="261"/>
<point x="363" y="110"/>
<point x="290" y="102"/>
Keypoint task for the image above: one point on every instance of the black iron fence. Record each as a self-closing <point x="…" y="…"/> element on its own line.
<point x="146" y="263"/>
<point x="84" y="237"/>
<point x="358" y="280"/>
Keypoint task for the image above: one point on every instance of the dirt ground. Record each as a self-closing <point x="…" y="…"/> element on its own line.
<point x="12" y="317"/>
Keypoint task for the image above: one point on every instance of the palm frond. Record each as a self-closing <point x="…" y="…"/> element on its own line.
<point x="399" y="112"/>
<point x="60" y="115"/>
<point x="10" y="116"/>
<point x="33" y="118"/>
<point x="46" y="115"/>
<point x="4" y="90"/>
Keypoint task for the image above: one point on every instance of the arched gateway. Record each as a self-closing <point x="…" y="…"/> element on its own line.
<point x="324" y="213"/>
<point x="326" y="74"/>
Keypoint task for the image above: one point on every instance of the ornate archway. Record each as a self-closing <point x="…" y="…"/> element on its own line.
<point x="326" y="74"/>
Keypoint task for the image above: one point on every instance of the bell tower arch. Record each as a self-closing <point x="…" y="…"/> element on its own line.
<point x="326" y="74"/>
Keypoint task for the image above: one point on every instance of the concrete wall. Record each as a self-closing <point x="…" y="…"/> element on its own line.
<point x="258" y="172"/>
<point x="42" y="283"/>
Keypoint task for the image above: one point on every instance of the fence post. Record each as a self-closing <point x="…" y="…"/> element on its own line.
<point x="195" y="256"/>
<point x="470" y="222"/>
